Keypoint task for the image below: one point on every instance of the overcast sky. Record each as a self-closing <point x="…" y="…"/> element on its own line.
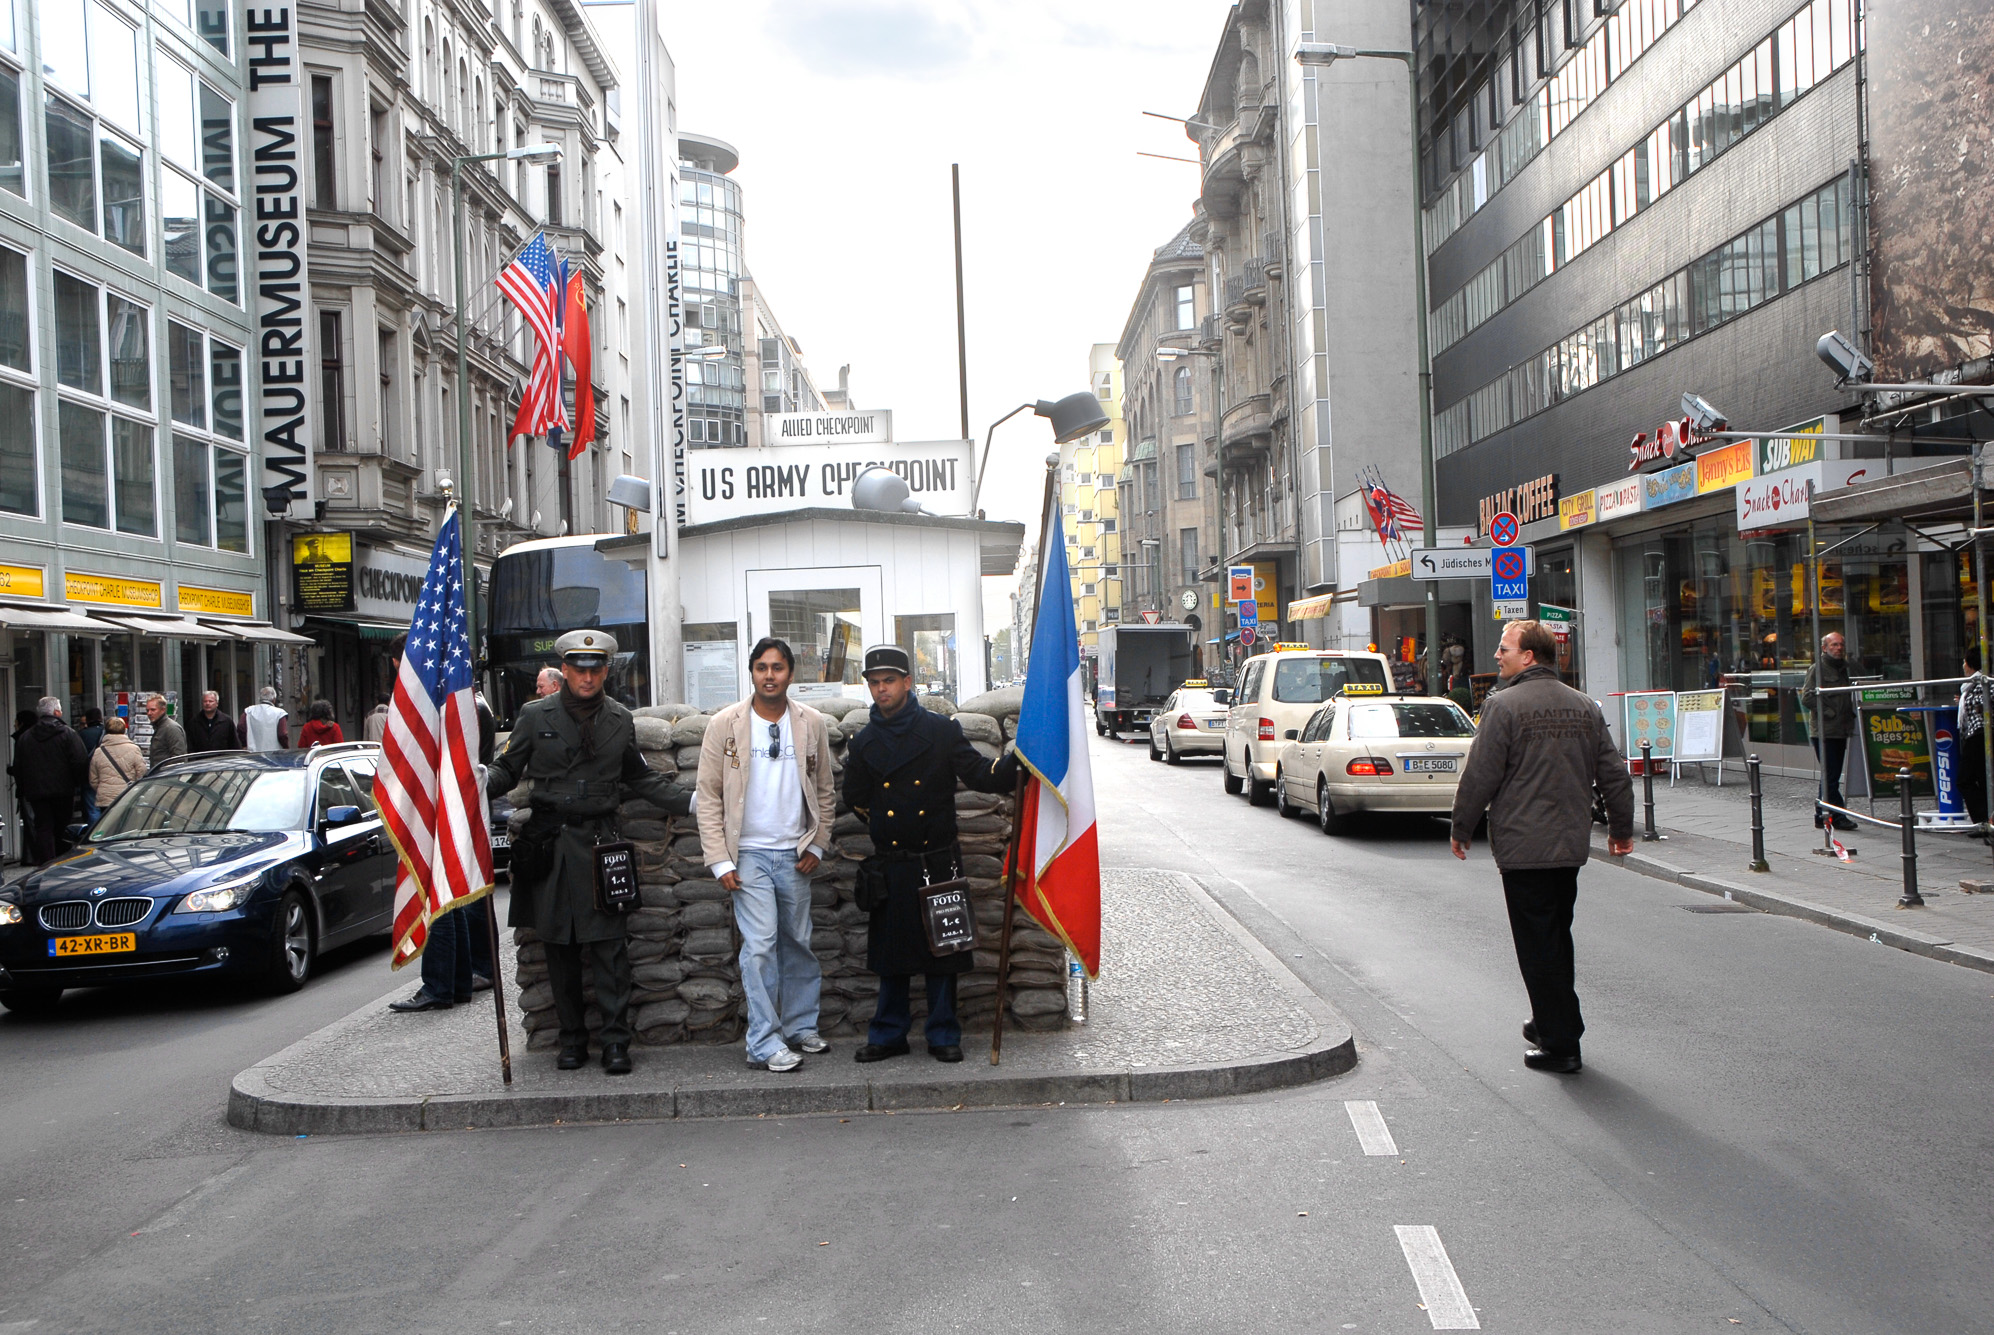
<point x="847" y="114"/>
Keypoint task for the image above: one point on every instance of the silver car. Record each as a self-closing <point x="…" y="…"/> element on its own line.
<point x="1190" y="723"/>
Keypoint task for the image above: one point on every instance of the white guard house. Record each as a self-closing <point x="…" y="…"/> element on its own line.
<point x="774" y="546"/>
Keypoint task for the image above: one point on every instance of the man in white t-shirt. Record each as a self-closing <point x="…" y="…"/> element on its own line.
<point x="265" y="725"/>
<point x="765" y="813"/>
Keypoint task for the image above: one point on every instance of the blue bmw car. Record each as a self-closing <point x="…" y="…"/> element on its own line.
<point x="238" y="864"/>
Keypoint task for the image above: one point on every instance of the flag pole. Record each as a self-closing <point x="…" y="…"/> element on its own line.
<point x="1012" y="851"/>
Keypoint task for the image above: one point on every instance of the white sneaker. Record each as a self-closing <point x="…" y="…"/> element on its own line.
<point x="782" y="1059"/>
<point x="809" y="1041"/>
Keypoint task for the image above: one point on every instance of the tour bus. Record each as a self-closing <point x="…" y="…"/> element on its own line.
<point x="543" y="589"/>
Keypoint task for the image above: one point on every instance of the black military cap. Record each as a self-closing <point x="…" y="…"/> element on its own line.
<point x="888" y="658"/>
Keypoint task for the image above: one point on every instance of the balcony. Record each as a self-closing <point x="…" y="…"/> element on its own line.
<point x="1246" y="431"/>
<point x="1270" y="246"/>
<point x="1238" y="310"/>
<point x="1256" y="282"/>
<point x="1209" y="336"/>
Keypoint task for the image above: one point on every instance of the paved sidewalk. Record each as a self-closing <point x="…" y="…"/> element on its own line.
<point x="1189" y="1005"/>
<point x="1709" y="836"/>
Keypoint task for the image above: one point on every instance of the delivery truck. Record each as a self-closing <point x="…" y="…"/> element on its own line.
<point x="1138" y="667"/>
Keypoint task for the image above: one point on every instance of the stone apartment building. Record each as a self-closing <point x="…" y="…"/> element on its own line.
<point x="1089" y="506"/>
<point x="1168" y="505"/>
<point x="395" y="93"/>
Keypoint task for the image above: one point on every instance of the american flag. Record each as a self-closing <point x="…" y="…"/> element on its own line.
<point x="1388" y="509"/>
<point x="431" y="798"/>
<point x="533" y="283"/>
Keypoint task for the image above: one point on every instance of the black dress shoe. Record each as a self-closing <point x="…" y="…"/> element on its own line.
<point x="1530" y="1032"/>
<point x="1844" y="823"/>
<point x="616" y="1058"/>
<point x="879" y="1052"/>
<point x="572" y="1059"/>
<point x="1559" y="1063"/>
<point x="480" y="983"/>
<point x="946" y="1052"/>
<point x="423" y="1000"/>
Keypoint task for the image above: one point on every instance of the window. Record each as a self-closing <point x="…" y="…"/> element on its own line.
<point x="107" y="451"/>
<point x="554" y="196"/>
<point x="389" y="405"/>
<point x="1308" y="681"/>
<point x="1181" y="380"/>
<point x="198" y="186"/>
<point x="13" y="176"/>
<point x="377" y="145"/>
<point x="1187" y="472"/>
<point x="1187" y="551"/>
<point x="325" y="173"/>
<point x="211" y="21"/>
<point x="19" y="492"/>
<point x="210" y="470"/>
<point x="1187" y="309"/>
<point x="93" y="126"/>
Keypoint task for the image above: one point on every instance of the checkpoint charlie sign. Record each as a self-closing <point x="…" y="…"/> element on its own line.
<point x="729" y="484"/>
<point x="874" y="427"/>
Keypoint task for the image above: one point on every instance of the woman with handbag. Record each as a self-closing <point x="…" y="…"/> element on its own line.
<point x="116" y="764"/>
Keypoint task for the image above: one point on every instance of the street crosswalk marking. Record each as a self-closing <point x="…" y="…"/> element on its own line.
<point x="1440" y="1290"/>
<point x="1369" y="1123"/>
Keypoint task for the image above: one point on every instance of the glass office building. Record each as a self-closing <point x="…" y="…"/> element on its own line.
<point x="711" y="272"/>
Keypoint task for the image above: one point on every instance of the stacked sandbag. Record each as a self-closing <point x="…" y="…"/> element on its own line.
<point x="684" y="948"/>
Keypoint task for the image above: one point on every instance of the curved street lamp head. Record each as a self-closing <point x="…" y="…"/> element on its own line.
<point x="1072" y="417"/>
<point x="535" y="153"/>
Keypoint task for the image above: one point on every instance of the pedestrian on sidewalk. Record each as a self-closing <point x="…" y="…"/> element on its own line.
<point x="1836" y="714"/>
<point x="50" y="769"/>
<point x="169" y="740"/>
<point x="900" y="777"/>
<point x="211" y="729"/>
<point x="1973" y="693"/>
<point x="116" y="765"/>
<point x="764" y="825"/>
<point x="1540" y="753"/>
<point x="320" y="729"/>
<point x="265" y="725"/>
<point x="580" y="746"/>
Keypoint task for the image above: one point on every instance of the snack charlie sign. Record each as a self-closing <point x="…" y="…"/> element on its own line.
<point x="730" y="484"/>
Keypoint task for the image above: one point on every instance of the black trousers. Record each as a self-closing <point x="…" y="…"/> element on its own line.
<point x="51" y="819"/>
<point x="1540" y="920"/>
<point x="1972" y="775"/>
<point x="609" y="961"/>
<point x="1834" y="752"/>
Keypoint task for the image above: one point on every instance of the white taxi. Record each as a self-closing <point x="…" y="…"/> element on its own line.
<point x="1365" y="751"/>
<point x="1278" y="691"/>
<point x="1190" y="723"/>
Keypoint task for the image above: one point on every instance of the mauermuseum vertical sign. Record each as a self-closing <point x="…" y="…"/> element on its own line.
<point x="277" y="230"/>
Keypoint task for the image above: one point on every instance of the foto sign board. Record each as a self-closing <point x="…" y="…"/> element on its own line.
<point x="1462" y="562"/>
<point x="729" y="484"/>
<point x="1507" y="581"/>
<point x="828" y="428"/>
<point x="1239" y="581"/>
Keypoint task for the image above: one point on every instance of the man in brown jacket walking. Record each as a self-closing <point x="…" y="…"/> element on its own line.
<point x="1541" y="750"/>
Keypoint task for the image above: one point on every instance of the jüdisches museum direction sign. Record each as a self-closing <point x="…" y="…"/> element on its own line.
<point x="728" y="484"/>
<point x="276" y="247"/>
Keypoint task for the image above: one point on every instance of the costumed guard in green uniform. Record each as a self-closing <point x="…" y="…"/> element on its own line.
<point x="579" y="747"/>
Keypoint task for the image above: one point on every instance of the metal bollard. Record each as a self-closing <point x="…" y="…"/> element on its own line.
<point x="1650" y="834"/>
<point x="1909" y="820"/>
<point x="1759" y="862"/>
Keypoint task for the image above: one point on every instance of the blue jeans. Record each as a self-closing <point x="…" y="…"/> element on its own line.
<point x="780" y="977"/>
<point x="894" y="1015"/>
<point x="459" y="942"/>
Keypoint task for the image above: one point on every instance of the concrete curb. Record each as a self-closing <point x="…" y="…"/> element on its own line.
<point x="256" y="1104"/>
<point x="1792" y="906"/>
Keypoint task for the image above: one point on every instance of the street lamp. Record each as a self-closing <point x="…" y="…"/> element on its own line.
<point x="1309" y="54"/>
<point x="467" y="507"/>
<point x="1072" y="417"/>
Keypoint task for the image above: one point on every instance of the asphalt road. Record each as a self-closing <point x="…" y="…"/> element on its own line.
<point x="1779" y="1128"/>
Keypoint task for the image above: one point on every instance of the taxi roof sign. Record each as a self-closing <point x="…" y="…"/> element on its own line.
<point x="1196" y="681"/>
<point x="1286" y="647"/>
<point x="1361" y="688"/>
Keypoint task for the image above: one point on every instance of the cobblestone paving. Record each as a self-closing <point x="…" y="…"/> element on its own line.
<point x="1176" y="989"/>
<point x="1710" y="831"/>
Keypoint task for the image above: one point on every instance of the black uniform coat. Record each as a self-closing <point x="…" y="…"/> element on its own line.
<point x="575" y="799"/>
<point x="903" y="786"/>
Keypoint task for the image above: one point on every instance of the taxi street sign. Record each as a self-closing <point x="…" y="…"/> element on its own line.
<point x="1246" y="634"/>
<point x="1249" y="612"/>
<point x="1502" y="529"/>
<point x="1507" y="581"/>
<point x="1512" y="611"/>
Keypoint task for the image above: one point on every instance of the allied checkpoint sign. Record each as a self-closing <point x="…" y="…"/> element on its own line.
<point x="733" y="483"/>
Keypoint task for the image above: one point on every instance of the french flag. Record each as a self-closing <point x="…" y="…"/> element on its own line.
<point x="1056" y="832"/>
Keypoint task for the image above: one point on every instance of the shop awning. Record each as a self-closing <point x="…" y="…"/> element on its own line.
<point x="366" y="630"/>
<point x="166" y="627"/>
<point x="1924" y="494"/>
<point x="47" y="616"/>
<point x="261" y="632"/>
<point x="1307" y="609"/>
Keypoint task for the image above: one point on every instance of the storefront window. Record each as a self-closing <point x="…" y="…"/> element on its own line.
<point x="1702" y="607"/>
<point x="821" y="627"/>
<point x="1556" y="585"/>
<point x="30" y="669"/>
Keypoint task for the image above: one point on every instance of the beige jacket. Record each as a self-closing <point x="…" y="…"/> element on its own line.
<point x="117" y="764"/>
<point x="723" y="781"/>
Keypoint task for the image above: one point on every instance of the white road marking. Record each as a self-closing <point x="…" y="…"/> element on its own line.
<point x="1440" y="1290"/>
<point x="1369" y="1123"/>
